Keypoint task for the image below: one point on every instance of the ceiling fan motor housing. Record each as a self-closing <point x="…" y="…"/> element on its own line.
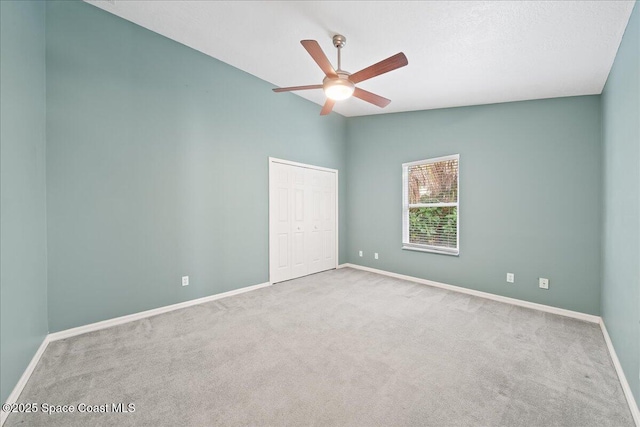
<point x="339" y="40"/>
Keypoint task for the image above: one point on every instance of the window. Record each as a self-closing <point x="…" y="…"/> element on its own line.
<point x="430" y="205"/>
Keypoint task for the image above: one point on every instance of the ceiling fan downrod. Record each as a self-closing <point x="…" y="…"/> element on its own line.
<point x="339" y="41"/>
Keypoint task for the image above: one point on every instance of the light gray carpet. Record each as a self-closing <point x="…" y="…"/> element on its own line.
<point x="343" y="347"/>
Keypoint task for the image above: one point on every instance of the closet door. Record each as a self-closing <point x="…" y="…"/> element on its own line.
<point x="299" y="225"/>
<point x="315" y="203"/>
<point x="302" y="221"/>
<point x="280" y="207"/>
<point x="322" y="221"/>
<point x="328" y="220"/>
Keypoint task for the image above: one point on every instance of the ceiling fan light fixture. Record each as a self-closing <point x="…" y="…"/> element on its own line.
<point x="338" y="89"/>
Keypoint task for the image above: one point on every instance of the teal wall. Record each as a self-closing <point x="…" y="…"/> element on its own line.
<point x="23" y="256"/>
<point x="157" y="167"/>
<point x="621" y="218"/>
<point x="530" y="195"/>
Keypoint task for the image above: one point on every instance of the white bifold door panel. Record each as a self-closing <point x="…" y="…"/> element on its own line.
<point x="302" y="220"/>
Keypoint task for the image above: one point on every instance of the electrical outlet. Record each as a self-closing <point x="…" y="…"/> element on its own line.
<point x="511" y="277"/>
<point x="360" y="253"/>
<point x="185" y="280"/>
<point x="375" y="255"/>
<point x="543" y="283"/>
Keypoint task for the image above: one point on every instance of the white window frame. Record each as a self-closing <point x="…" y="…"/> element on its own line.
<point x="405" y="209"/>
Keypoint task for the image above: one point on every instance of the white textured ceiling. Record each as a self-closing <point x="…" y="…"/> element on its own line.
<point x="460" y="53"/>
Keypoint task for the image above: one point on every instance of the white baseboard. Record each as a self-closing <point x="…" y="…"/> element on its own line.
<point x="15" y="394"/>
<point x="633" y="406"/>
<point x="514" y="301"/>
<point x="144" y="314"/>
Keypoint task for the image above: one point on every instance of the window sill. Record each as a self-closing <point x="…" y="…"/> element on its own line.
<point x="434" y="251"/>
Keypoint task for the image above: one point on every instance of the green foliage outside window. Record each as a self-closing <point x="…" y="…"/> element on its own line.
<point x="433" y="226"/>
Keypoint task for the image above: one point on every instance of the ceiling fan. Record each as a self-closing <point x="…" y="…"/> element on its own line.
<point x="339" y="84"/>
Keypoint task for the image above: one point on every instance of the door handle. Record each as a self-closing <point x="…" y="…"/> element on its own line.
<point x="298" y="228"/>
<point x="315" y="227"/>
